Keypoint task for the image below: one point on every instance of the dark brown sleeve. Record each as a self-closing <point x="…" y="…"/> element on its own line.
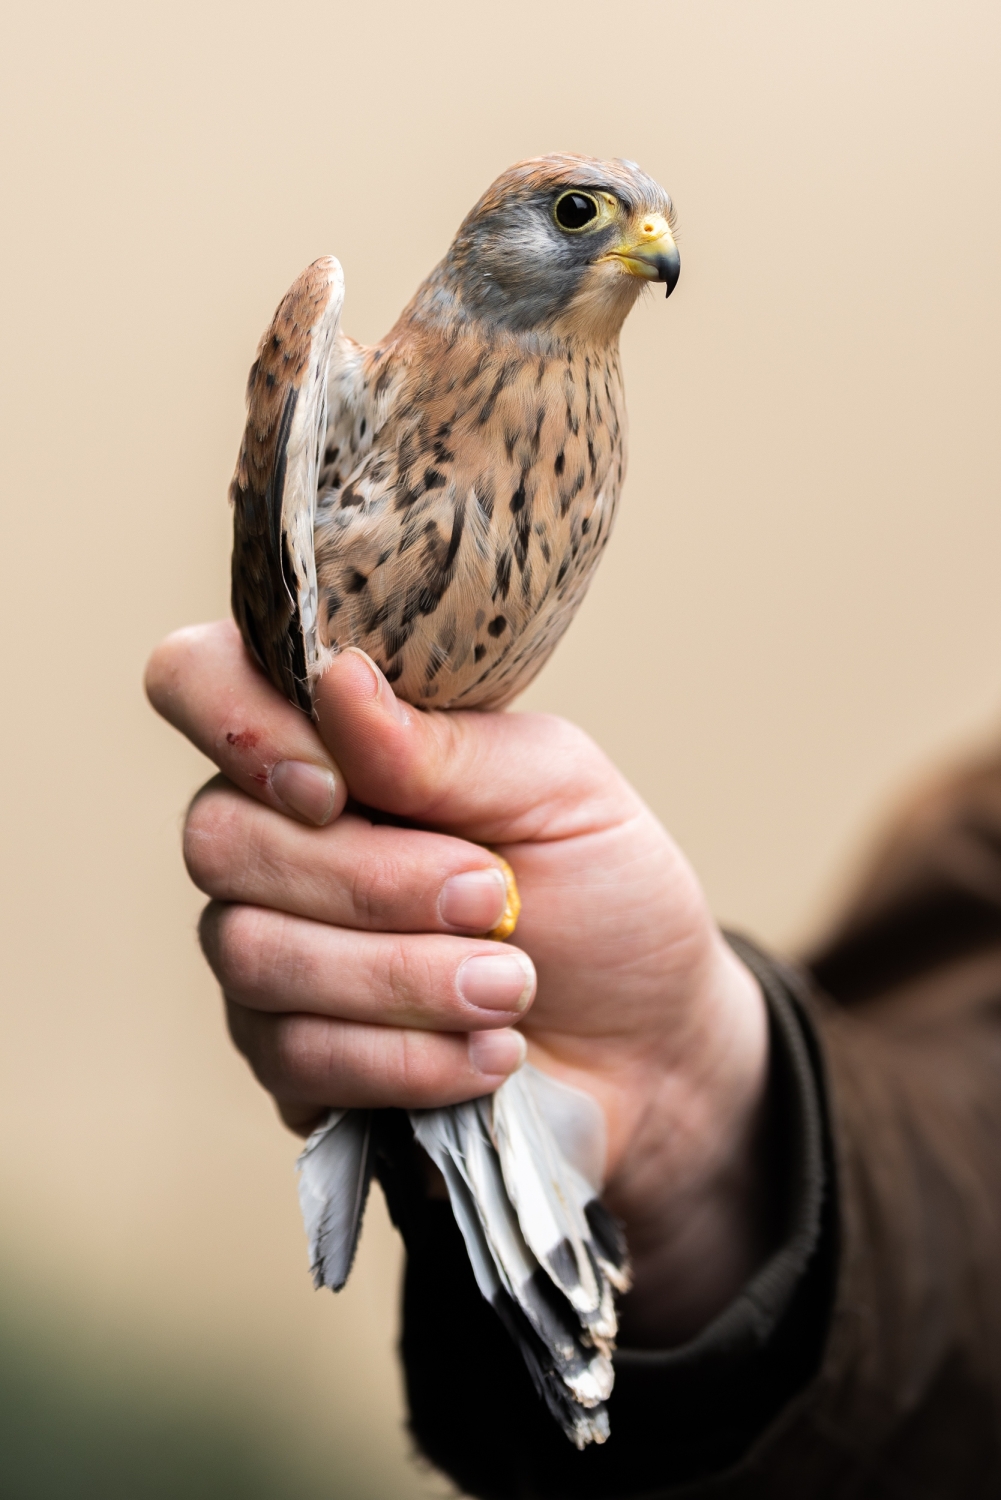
<point x="929" y="902"/>
<point x="908" y="1398"/>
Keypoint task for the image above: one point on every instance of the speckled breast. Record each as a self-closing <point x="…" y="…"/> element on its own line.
<point x="465" y="496"/>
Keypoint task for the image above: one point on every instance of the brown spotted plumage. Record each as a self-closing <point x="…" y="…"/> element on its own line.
<point x="461" y="478"/>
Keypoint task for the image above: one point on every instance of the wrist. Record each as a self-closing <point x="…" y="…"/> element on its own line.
<point x="690" y="1179"/>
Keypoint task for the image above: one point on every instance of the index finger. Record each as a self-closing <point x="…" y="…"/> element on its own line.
<point x="202" y="681"/>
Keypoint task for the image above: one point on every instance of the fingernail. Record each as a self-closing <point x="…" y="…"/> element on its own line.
<point x="497" y="981"/>
<point x="497" y="1052"/>
<point x="383" y="691"/>
<point x="308" y="790"/>
<point x="475" y="899"/>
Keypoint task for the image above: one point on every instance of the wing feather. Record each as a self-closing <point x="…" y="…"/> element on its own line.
<point x="274" y="488"/>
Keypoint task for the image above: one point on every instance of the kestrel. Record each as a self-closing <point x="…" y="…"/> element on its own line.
<point x="462" y="476"/>
<point x="441" y="500"/>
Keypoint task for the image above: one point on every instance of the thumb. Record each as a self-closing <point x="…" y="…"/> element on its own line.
<point x="493" y="777"/>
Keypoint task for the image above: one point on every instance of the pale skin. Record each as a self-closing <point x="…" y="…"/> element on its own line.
<point x="351" y="956"/>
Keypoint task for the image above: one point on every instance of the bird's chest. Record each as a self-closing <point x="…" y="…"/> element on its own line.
<point x="553" y="446"/>
<point x="494" y="491"/>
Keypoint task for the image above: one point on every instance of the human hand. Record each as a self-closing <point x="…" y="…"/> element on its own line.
<point x="354" y="974"/>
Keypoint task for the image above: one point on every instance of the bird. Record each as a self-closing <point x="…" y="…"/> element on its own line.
<point x="441" y="499"/>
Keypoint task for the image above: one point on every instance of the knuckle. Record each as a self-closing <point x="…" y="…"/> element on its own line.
<point x="210" y="840"/>
<point x="411" y="1065"/>
<point x="361" y="893"/>
<point x="240" y="1031"/>
<point x="242" y="944"/>
<point x="569" y="740"/>
<point x="374" y="886"/>
<point x="423" y="1066"/>
<point x="208" y="934"/>
<point x="166" y="664"/>
<point x="264" y="1046"/>
<point x="402" y="973"/>
<point x="158" y="675"/>
<point x="447" y="744"/>
<point x="296" y="1053"/>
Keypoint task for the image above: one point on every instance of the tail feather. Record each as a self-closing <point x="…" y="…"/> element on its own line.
<point x="570" y="1367"/>
<point x="540" y="1185"/>
<point x="436" y="1131"/>
<point x="577" y="1126"/>
<point x="335" y="1169"/>
<point x="523" y="1169"/>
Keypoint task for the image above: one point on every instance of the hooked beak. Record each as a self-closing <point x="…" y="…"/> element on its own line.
<point x="650" y="252"/>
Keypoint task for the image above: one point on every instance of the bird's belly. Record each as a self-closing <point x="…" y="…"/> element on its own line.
<point x="458" y="608"/>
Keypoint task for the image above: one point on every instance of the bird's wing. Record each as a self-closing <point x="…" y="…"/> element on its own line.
<point x="274" y="488"/>
<point x="335" y="1169"/>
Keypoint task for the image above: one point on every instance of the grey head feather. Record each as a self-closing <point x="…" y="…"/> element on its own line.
<point x="509" y="265"/>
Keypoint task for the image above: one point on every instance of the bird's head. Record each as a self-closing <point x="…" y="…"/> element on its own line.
<point x="559" y="244"/>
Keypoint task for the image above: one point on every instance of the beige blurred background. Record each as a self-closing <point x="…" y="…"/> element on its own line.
<point x="799" y="610"/>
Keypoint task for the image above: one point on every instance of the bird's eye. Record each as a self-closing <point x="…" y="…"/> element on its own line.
<point x="575" y="210"/>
